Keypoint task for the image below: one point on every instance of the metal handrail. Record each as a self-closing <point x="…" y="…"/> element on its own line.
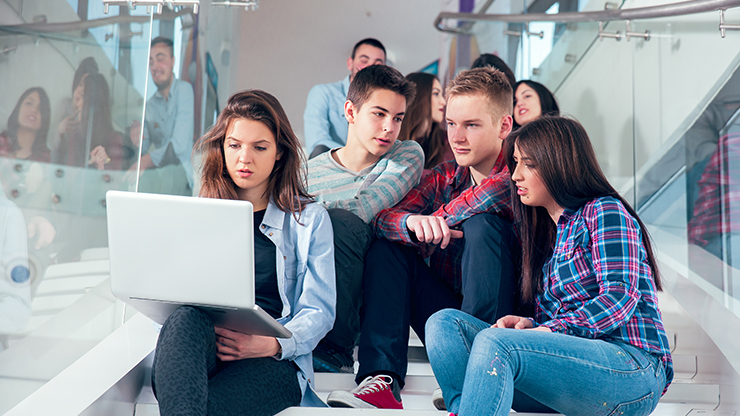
<point x="466" y="28"/>
<point x="666" y="10"/>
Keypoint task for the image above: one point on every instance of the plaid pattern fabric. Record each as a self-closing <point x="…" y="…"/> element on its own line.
<point x="598" y="283"/>
<point x="446" y="192"/>
<point x="717" y="208"/>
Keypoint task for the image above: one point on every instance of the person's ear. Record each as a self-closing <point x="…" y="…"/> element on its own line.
<point x="349" y="64"/>
<point x="507" y="123"/>
<point x="350" y="111"/>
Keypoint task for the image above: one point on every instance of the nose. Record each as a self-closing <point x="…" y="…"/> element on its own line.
<point x="516" y="174"/>
<point x="455" y="135"/>
<point x="388" y="125"/>
<point x="244" y="156"/>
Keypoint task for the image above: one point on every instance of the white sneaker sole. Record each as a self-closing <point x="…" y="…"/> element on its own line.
<point x="346" y="399"/>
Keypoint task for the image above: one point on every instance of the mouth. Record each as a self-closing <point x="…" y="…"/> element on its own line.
<point x="521" y="190"/>
<point x="383" y="141"/>
<point x="523" y="111"/>
<point x="460" y="150"/>
<point x="244" y="173"/>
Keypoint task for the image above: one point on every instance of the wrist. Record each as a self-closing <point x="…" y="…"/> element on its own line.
<point x="279" y="354"/>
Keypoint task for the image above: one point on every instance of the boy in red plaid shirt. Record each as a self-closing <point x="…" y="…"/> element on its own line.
<point x="448" y="244"/>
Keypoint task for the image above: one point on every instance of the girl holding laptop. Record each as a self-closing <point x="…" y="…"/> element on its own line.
<point x="252" y="154"/>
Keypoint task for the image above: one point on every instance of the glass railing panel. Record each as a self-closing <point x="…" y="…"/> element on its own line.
<point x="685" y="141"/>
<point x="574" y="41"/>
<point x="69" y="98"/>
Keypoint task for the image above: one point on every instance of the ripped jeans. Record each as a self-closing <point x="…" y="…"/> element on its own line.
<point x="484" y="370"/>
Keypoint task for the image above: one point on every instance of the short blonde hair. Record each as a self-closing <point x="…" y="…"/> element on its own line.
<point x="488" y="82"/>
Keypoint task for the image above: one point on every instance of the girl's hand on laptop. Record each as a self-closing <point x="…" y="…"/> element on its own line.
<point x="234" y="345"/>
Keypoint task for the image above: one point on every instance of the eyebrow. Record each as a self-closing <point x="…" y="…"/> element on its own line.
<point x="377" y="107"/>
<point x="234" y="139"/>
<point x="474" y="120"/>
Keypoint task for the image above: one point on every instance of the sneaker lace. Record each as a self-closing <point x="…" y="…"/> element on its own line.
<point x="374" y="384"/>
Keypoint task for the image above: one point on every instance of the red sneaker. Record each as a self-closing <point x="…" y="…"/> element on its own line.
<point x="372" y="393"/>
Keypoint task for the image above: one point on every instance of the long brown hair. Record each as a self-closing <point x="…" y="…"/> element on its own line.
<point x="286" y="184"/>
<point x="564" y="159"/>
<point x="418" y="123"/>
<point x="39" y="147"/>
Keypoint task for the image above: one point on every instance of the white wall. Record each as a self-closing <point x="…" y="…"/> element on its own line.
<point x="287" y="46"/>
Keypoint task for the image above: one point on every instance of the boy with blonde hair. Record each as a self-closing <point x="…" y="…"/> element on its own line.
<point x="473" y="268"/>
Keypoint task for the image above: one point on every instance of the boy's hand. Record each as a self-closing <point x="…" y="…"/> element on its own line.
<point x="431" y="230"/>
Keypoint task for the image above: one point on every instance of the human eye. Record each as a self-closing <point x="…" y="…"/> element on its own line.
<point x="472" y="125"/>
<point x="379" y="114"/>
<point x="260" y="148"/>
<point x="398" y="119"/>
<point x="233" y="145"/>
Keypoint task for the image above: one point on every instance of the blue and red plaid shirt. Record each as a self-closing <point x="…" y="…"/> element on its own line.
<point x="598" y="283"/>
<point x="717" y="208"/>
<point x="446" y="192"/>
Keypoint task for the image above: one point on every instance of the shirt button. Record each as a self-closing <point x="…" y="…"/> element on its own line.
<point x="263" y="226"/>
<point x="285" y="257"/>
<point x="270" y="234"/>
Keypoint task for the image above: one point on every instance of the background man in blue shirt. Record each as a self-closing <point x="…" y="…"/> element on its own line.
<point x="168" y="127"/>
<point x="324" y="124"/>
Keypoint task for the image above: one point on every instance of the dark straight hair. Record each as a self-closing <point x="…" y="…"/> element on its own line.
<point x="286" y="184"/>
<point x="548" y="104"/>
<point x="39" y="146"/>
<point x="494" y="61"/>
<point x="368" y="41"/>
<point x="379" y="77"/>
<point x="565" y="161"/>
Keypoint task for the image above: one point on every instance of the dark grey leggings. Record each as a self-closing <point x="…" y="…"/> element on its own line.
<point x="188" y="378"/>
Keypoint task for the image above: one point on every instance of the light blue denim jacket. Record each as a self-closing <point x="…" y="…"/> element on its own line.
<point x="324" y="121"/>
<point x="306" y="282"/>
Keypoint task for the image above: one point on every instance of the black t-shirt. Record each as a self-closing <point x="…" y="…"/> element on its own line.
<point x="266" y="291"/>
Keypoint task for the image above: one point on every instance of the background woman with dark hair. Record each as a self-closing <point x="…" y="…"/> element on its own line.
<point x="252" y="154"/>
<point x="28" y="128"/>
<point x="424" y="119"/>
<point x="487" y="59"/>
<point x="596" y="345"/>
<point x="532" y="100"/>
<point x="87" y="137"/>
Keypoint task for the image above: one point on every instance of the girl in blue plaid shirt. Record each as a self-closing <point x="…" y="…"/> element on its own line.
<point x="596" y="345"/>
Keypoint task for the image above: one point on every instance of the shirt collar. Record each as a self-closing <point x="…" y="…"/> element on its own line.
<point x="568" y="214"/>
<point x="273" y="216"/>
<point x="171" y="93"/>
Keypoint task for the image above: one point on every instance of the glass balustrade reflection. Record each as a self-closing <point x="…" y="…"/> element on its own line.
<point x="69" y="95"/>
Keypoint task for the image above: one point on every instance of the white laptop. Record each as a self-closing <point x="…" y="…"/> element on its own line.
<point x="167" y="251"/>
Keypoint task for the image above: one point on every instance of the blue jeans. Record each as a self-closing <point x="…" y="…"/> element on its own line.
<point x="484" y="370"/>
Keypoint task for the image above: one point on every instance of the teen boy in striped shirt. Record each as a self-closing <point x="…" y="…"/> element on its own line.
<point x="355" y="182"/>
<point x="475" y="269"/>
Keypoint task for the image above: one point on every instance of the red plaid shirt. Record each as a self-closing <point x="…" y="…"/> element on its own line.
<point x="717" y="208"/>
<point x="446" y="192"/>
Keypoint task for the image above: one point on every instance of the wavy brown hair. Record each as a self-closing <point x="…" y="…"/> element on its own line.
<point x="565" y="161"/>
<point x="286" y="186"/>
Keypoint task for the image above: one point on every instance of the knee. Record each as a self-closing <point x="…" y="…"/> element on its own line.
<point x="497" y="341"/>
<point x="441" y="321"/>
<point x="486" y="225"/>
<point x="188" y="316"/>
